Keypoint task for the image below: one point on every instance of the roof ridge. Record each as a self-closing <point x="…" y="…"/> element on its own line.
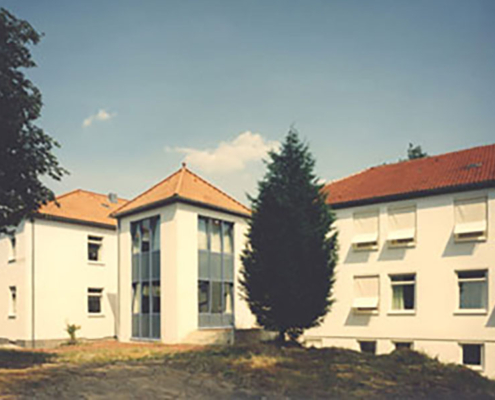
<point x="217" y="189"/>
<point x="67" y="194"/>
<point x="85" y="191"/>
<point x="181" y="178"/>
<point x="145" y="192"/>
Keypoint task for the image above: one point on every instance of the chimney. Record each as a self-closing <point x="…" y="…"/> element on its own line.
<point x="112" y="198"/>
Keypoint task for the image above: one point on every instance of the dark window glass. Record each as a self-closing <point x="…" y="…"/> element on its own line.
<point x="94" y="300"/>
<point x="156" y="297"/>
<point x="145" y="299"/>
<point x="368" y="347"/>
<point x="471" y="354"/>
<point x="403" y="345"/>
<point x="216" y="297"/>
<point x="203" y="296"/>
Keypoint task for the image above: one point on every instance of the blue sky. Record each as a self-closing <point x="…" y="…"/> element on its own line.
<point x="131" y="88"/>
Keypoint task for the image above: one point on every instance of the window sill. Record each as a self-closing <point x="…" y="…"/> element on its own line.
<point x="97" y="263"/>
<point x="401" y="312"/>
<point x="95" y="315"/>
<point x="471" y="312"/>
<point x="365" y="312"/>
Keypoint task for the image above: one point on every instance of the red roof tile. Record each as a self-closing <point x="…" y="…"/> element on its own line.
<point x="82" y="206"/>
<point x="185" y="186"/>
<point x="460" y="170"/>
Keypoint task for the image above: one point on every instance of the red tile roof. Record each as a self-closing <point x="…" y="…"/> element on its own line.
<point x="450" y="172"/>
<point x="82" y="206"/>
<point x="185" y="186"/>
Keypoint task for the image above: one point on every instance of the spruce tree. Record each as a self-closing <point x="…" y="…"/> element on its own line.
<point x="289" y="260"/>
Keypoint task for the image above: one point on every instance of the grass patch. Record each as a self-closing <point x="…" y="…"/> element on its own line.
<point x="264" y="370"/>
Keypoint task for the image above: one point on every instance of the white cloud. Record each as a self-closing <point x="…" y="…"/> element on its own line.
<point x="101" y="115"/>
<point x="231" y="156"/>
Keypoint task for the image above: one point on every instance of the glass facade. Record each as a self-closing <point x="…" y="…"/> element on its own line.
<point x="146" y="278"/>
<point x="215" y="273"/>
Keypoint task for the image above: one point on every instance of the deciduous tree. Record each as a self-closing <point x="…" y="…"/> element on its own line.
<point x="25" y="149"/>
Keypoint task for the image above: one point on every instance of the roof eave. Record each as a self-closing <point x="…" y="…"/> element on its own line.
<point x="178" y="199"/>
<point x="413" y="195"/>
<point x="76" y="221"/>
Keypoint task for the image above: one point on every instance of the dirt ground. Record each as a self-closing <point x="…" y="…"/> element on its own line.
<point x="143" y="380"/>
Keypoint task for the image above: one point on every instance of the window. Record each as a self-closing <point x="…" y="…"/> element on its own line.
<point x="94" y="300"/>
<point x="367" y="346"/>
<point x="472" y="290"/>
<point x="215" y="272"/>
<point x="470" y="220"/>
<point x="403" y="288"/>
<point x="366" y="293"/>
<point x="146" y="281"/>
<point x="12" y="248"/>
<point x="402" y="227"/>
<point x="365" y="231"/>
<point x="403" y="345"/>
<point x="472" y="355"/>
<point x="13" y="302"/>
<point x="94" y="248"/>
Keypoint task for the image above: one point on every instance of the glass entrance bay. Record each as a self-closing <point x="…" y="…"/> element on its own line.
<point x="146" y="278"/>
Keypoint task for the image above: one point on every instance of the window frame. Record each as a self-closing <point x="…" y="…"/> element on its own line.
<point x="404" y="282"/>
<point x="475" y="367"/>
<point x="95" y="240"/>
<point x="366" y="310"/>
<point x="476" y="311"/>
<point x="366" y="241"/>
<point x="396" y="240"/>
<point x="471" y="234"/>
<point x="95" y="292"/>
<point x="209" y="319"/>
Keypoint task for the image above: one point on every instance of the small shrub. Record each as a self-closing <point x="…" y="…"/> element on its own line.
<point x="71" y="329"/>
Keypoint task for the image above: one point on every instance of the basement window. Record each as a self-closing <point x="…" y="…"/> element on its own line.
<point x="403" y="345"/>
<point x="367" y="346"/>
<point x="402" y="227"/>
<point x="472" y="355"/>
<point x="95" y="248"/>
<point x="366" y="293"/>
<point x="470" y="220"/>
<point x="365" y="231"/>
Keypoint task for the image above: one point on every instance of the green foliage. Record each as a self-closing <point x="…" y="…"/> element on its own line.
<point x="71" y="329"/>
<point x="291" y="252"/>
<point x="414" y="152"/>
<point x="25" y="149"/>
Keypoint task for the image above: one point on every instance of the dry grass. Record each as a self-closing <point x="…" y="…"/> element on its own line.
<point x="262" y="370"/>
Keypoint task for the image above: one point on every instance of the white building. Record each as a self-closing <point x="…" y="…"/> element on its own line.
<point x="417" y="259"/>
<point x="60" y="268"/>
<point x="179" y="258"/>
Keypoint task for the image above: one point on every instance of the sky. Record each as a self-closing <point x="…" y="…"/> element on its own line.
<point x="132" y="89"/>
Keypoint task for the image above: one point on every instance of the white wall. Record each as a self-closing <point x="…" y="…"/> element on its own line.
<point x="16" y="273"/>
<point x="435" y="326"/>
<point x="179" y="270"/>
<point x="63" y="275"/>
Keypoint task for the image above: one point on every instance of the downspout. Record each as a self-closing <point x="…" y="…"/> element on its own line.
<point x="33" y="337"/>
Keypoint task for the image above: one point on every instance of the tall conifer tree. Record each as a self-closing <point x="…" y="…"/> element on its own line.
<point x="290" y="256"/>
